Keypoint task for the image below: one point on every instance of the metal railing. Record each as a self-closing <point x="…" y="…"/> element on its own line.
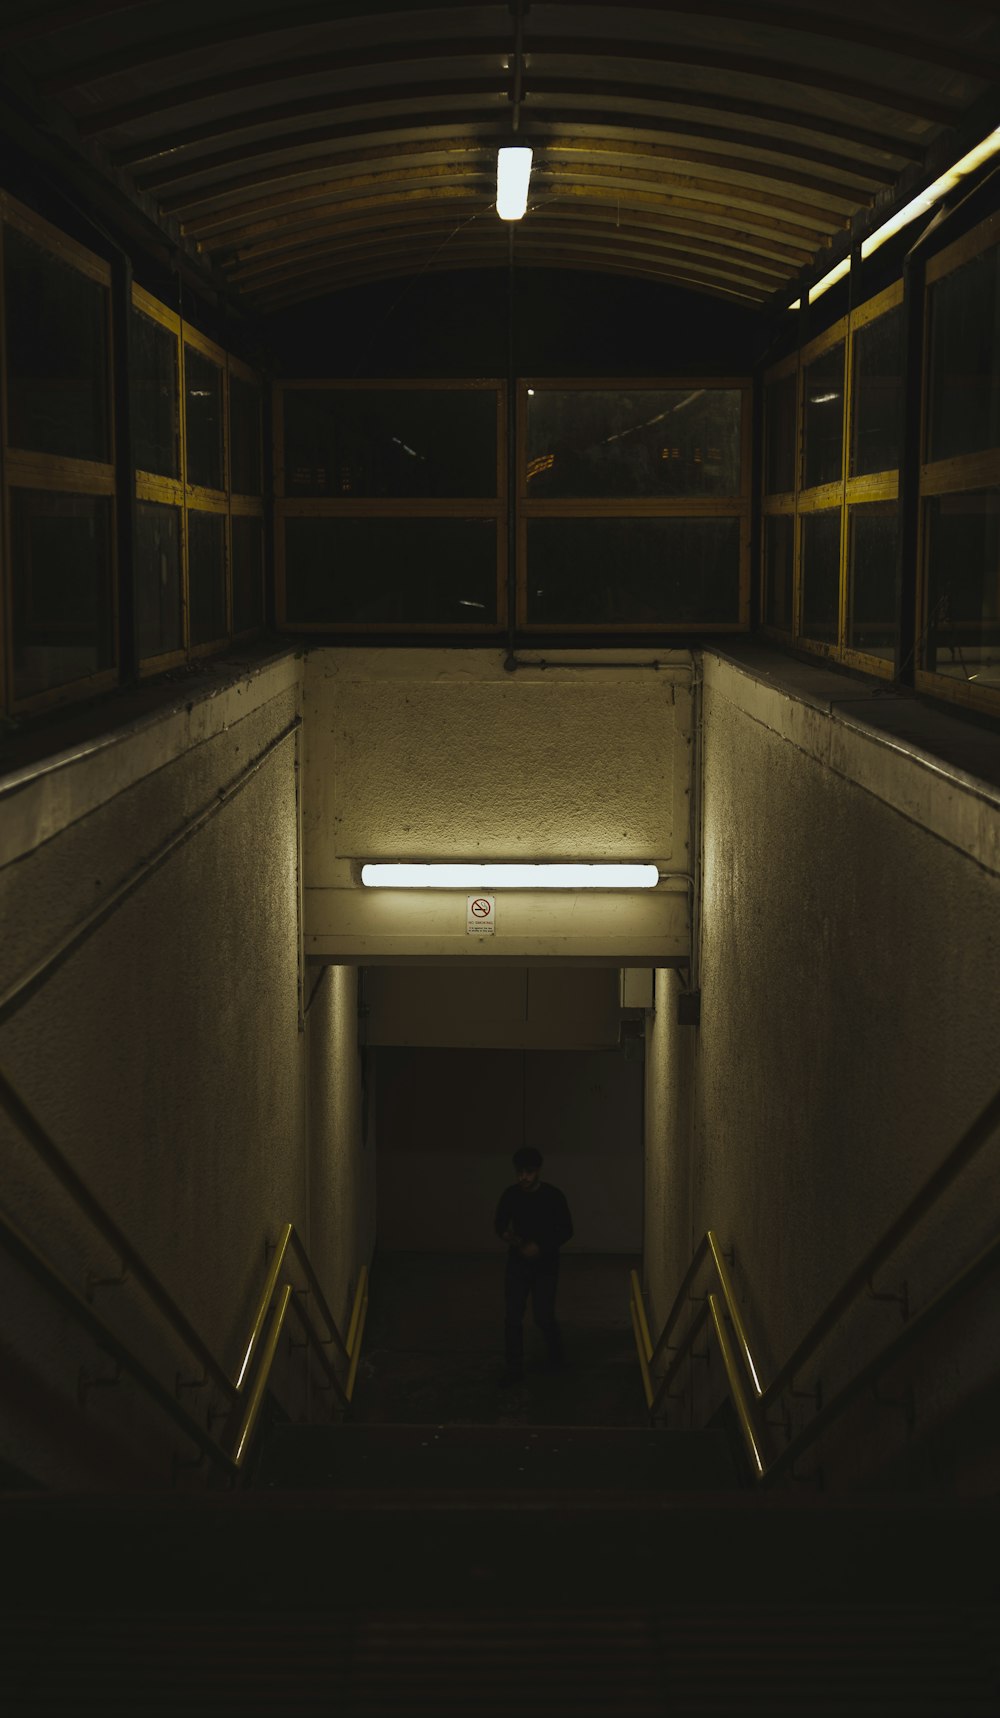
<point x="718" y="1312"/>
<point x="242" y="1393"/>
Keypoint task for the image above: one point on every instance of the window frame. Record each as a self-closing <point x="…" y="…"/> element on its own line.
<point x="54" y="474"/>
<point x="646" y="507"/>
<point x="331" y="507"/>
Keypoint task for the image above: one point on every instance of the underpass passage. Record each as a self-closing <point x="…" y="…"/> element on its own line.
<point x="433" y="1350"/>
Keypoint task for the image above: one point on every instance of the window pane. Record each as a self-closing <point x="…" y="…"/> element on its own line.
<point x="158" y="579"/>
<point x="871" y="587"/>
<point x="779" y="541"/>
<point x="248" y="573"/>
<point x="878" y="394"/>
<point x="155" y="401"/>
<point x="779" y="436"/>
<point x="964" y="405"/>
<point x="963" y="582"/>
<point x="244" y="437"/>
<point x="391" y="571"/>
<point x="207" y="576"/>
<point x="57" y="354"/>
<point x="821" y="575"/>
<point x="823" y="409"/>
<point x="589" y="442"/>
<point x="368" y="442"/>
<point x="203" y="389"/>
<point x="62" y="588"/>
<point x="633" y="571"/>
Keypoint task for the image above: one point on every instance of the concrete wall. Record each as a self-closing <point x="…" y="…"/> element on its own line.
<point x="448" y="1121"/>
<point x="163" y="1051"/>
<point x="850" y="1028"/>
<point x="443" y="754"/>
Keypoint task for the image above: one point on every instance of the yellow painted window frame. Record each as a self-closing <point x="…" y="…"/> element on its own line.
<point x="329" y="507"/>
<point x="847" y="492"/>
<point x="192" y="498"/>
<point x="962" y="474"/>
<point x="52" y="473"/>
<point x="737" y="506"/>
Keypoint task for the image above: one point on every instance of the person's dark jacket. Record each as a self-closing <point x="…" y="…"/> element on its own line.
<point x="541" y="1216"/>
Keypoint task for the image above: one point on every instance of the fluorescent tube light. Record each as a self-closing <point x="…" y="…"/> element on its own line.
<point x="513" y="173"/>
<point x="501" y="876"/>
<point x="922" y="204"/>
<point x="837" y="272"/>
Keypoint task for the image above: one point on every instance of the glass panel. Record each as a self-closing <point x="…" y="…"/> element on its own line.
<point x="963" y="582"/>
<point x="779" y="544"/>
<point x="871" y="584"/>
<point x="779" y="436"/>
<point x="160" y="615"/>
<point x="63" y="608"/>
<point x="658" y="572"/>
<point x="584" y="442"/>
<point x="244" y="437"/>
<point x="57" y="354"/>
<point x="404" y="443"/>
<point x="155" y="397"/>
<point x="207" y="576"/>
<point x="203" y="389"/>
<point x="391" y="571"/>
<point x="964" y="403"/>
<point x="823" y="409"/>
<point x="877" y="394"/>
<point x="821" y="576"/>
<point x="248" y="573"/>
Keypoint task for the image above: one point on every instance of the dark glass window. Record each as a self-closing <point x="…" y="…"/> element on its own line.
<point x="873" y="536"/>
<point x="57" y="354"/>
<point x="63" y="606"/>
<point x="586" y="442"/>
<point x="821" y="576"/>
<point x="964" y="403"/>
<point x="779" y="543"/>
<point x="385" y="442"/>
<point x="206" y="576"/>
<point x="248" y="572"/>
<point x="391" y="571"/>
<point x="877" y="394"/>
<point x="159" y="607"/>
<point x="203" y="396"/>
<point x="633" y="571"/>
<point x="823" y="418"/>
<point x="155" y="397"/>
<point x="244" y="436"/>
<point x="963" y="586"/>
<point x="779" y="436"/>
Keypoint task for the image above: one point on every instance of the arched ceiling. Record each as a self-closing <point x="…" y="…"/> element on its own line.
<point x="307" y="147"/>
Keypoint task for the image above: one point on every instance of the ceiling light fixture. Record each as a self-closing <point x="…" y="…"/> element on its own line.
<point x="513" y="173"/>
<point x="504" y="876"/>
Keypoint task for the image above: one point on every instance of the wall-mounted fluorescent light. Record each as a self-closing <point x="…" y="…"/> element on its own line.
<point x="513" y="173"/>
<point x="837" y="272"/>
<point x="922" y="204"/>
<point x="499" y="876"/>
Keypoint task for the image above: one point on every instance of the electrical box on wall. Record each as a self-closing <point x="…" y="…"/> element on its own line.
<point x="637" y="987"/>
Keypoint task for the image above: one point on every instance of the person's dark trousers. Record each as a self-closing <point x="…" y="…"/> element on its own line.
<point x="537" y="1278"/>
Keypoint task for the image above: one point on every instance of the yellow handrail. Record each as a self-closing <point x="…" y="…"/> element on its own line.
<point x="746" y="1387"/>
<point x="249" y="1385"/>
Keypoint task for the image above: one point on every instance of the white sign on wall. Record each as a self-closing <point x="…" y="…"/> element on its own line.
<point x="480" y="915"/>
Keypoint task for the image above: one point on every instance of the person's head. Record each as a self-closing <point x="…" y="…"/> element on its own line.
<point x="527" y="1165"/>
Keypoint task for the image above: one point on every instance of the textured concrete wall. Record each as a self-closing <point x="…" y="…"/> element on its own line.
<point x="341" y="1159"/>
<point x="163" y="1054"/>
<point x="850" y="1026"/>
<point x="450" y="1119"/>
<point x="441" y="754"/>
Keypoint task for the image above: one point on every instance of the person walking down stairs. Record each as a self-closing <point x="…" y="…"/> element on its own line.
<point x="534" y="1220"/>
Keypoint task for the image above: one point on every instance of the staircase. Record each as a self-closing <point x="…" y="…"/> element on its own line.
<point x="471" y="1571"/>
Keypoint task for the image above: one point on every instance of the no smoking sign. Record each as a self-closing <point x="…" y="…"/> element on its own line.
<point x="480" y="915"/>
